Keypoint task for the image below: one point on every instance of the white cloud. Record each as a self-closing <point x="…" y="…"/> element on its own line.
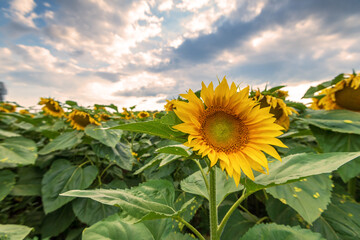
<point x="191" y="5"/>
<point x="165" y="5"/>
<point x="21" y="11"/>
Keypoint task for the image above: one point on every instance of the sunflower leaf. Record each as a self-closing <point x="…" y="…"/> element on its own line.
<point x="109" y="137"/>
<point x="7" y="182"/>
<point x="310" y="93"/>
<point x="12" y="231"/>
<point x="154" y="128"/>
<point x="175" y="149"/>
<point x="64" y="141"/>
<point x="17" y="151"/>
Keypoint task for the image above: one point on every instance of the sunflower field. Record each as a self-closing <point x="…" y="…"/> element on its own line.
<point x="218" y="163"/>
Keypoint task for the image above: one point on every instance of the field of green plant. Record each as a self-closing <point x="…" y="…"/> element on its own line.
<point x="212" y="165"/>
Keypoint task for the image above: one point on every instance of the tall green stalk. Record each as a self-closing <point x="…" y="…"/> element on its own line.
<point x="212" y="205"/>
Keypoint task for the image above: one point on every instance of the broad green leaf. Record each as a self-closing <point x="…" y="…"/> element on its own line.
<point x="273" y="231"/>
<point x="341" y="220"/>
<point x="7" y="134"/>
<point x="17" y="151"/>
<point x="309" y="196"/>
<point x="281" y="213"/>
<point x="162" y="157"/>
<point x="109" y="137"/>
<point x="13" y="232"/>
<point x="29" y="182"/>
<point x="175" y="149"/>
<point x="150" y="200"/>
<point x="303" y="165"/>
<point x="238" y="224"/>
<point x="120" y="154"/>
<point x="159" y="228"/>
<point x="330" y="141"/>
<point x="113" y="227"/>
<point x="89" y="211"/>
<point x="310" y="93"/>
<point x="190" y="211"/>
<point x="7" y="182"/>
<point x="64" y="141"/>
<point x="343" y="121"/>
<point x="178" y="236"/>
<point x="57" y="222"/>
<point x="170" y="119"/>
<point x="62" y="177"/>
<point x="154" y="128"/>
<point x="195" y="184"/>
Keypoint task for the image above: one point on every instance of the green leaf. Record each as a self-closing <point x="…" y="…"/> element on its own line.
<point x="150" y="200"/>
<point x="274" y="231"/>
<point x="312" y="90"/>
<point x="170" y="119"/>
<point x="175" y="149"/>
<point x="343" y="121"/>
<point x="120" y="154"/>
<point x="224" y="186"/>
<point x="281" y="213"/>
<point x="113" y="227"/>
<point x="162" y="157"/>
<point x="109" y="137"/>
<point x="89" y="211"/>
<point x="62" y="177"/>
<point x="7" y="182"/>
<point x="304" y="165"/>
<point x="64" y="141"/>
<point x="7" y="134"/>
<point x="29" y="182"/>
<point x="154" y="128"/>
<point x="57" y="222"/>
<point x="13" y="232"/>
<point x="330" y="141"/>
<point x="309" y="197"/>
<point x="341" y="220"/>
<point x="238" y="224"/>
<point x="17" y="151"/>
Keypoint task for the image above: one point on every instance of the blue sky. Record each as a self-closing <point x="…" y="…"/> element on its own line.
<point x="143" y="52"/>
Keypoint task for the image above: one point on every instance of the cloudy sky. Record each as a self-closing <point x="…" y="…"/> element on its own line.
<point x="134" y="52"/>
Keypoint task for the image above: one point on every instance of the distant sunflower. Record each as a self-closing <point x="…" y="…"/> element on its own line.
<point x="8" y="107"/>
<point x="143" y="114"/>
<point x="126" y="114"/>
<point x="51" y="107"/>
<point x="26" y="112"/>
<point x="229" y="127"/>
<point x="344" y="95"/>
<point x="104" y="117"/>
<point x="169" y="106"/>
<point x="2" y="109"/>
<point x="79" y="120"/>
<point x="277" y="107"/>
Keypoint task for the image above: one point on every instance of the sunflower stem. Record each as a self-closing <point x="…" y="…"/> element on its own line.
<point x="191" y="227"/>
<point x="231" y="210"/>
<point x="212" y="205"/>
<point x="203" y="175"/>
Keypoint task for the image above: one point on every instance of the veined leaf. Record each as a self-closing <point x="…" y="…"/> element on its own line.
<point x="175" y="149"/>
<point x="17" y="151"/>
<point x="109" y="137"/>
<point x="7" y="182"/>
<point x="14" y="232"/>
<point x="64" y="141"/>
<point x="195" y="184"/>
<point x="312" y="90"/>
<point x="57" y="222"/>
<point x="150" y="200"/>
<point x="62" y="177"/>
<point x="274" y="231"/>
<point x="309" y="197"/>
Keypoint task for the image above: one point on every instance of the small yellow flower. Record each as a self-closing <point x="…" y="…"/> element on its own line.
<point x="79" y="120"/>
<point x="51" y="107"/>
<point x="169" y="106"/>
<point x="104" y="117"/>
<point x="7" y="107"/>
<point x="230" y="128"/>
<point x="126" y="114"/>
<point x="143" y="114"/>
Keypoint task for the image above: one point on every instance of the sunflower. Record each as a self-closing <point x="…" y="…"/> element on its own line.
<point x="169" y="106"/>
<point x="277" y="107"/>
<point x="104" y="117"/>
<point x="230" y="128"/>
<point x="344" y="95"/>
<point x="143" y="114"/>
<point x="126" y="114"/>
<point x="79" y="120"/>
<point x="8" y="107"/>
<point x="51" y="107"/>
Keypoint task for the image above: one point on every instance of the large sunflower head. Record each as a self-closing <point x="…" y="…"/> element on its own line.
<point x="277" y="107"/>
<point x="79" y="119"/>
<point x="51" y="107"/>
<point x="7" y="107"/>
<point x="344" y="95"/>
<point x="230" y="128"/>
